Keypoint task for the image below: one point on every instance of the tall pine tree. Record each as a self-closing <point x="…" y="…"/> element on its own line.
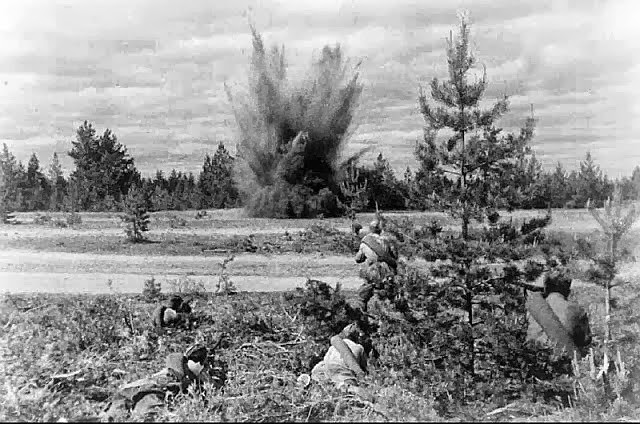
<point x="103" y="167"/>
<point x="37" y="188"/>
<point x="58" y="184"/>
<point x="474" y="169"/>
<point x="12" y="175"/>
<point x="216" y="180"/>
<point x="476" y="157"/>
<point x="590" y="184"/>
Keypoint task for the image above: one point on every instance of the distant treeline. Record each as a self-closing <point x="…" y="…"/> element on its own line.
<point x="104" y="172"/>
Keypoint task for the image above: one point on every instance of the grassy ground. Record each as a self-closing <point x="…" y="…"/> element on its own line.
<point x="265" y="346"/>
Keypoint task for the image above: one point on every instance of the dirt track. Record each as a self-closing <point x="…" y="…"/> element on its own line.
<point x="27" y="271"/>
<point x="23" y="270"/>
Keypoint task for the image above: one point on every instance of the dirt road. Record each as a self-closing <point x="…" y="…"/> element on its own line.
<point x="60" y="272"/>
<point x="24" y="270"/>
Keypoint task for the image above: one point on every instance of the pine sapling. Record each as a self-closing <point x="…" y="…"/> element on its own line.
<point x="225" y="286"/>
<point x="353" y="189"/>
<point x="615" y="222"/>
<point x="136" y="215"/>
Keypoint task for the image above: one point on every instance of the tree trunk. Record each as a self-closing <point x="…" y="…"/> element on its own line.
<point x="607" y="298"/>
<point x="465" y="226"/>
<point x="472" y="340"/>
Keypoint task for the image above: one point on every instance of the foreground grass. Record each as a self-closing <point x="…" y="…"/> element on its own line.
<point x="106" y="341"/>
<point x="263" y="347"/>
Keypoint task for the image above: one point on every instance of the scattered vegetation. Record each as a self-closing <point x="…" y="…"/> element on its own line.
<point x="152" y="290"/>
<point x="225" y="286"/>
<point x="57" y="365"/>
<point x="189" y="286"/>
<point x="176" y="221"/>
<point x="446" y="341"/>
<point x="73" y="218"/>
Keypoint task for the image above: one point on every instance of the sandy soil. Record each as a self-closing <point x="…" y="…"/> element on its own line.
<point x="23" y="270"/>
<point x="98" y="283"/>
<point x="25" y="231"/>
<point x="27" y="271"/>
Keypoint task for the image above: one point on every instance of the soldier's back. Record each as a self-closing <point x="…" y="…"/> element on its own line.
<point x="572" y="316"/>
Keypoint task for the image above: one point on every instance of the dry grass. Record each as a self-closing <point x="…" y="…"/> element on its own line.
<point x="265" y="347"/>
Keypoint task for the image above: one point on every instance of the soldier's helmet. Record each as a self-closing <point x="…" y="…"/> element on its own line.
<point x="196" y="356"/>
<point x="352" y="332"/>
<point x="175" y="302"/>
<point x="557" y="282"/>
<point x="375" y="226"/>
<point x="197" y="353"/>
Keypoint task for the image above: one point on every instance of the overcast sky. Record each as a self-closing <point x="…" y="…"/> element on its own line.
<point x="153" y="71"/>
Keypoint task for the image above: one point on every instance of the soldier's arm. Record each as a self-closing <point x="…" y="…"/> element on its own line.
<point x="393" y="249"/>
<point x="360" y="256"/>
<point x="158" y="316"/>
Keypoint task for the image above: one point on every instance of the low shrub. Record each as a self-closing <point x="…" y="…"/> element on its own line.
<point x="152" y="290"/>
<point x="136" y="216"/>
<point x="176" y="221"/>
<point x="190" y="287"/>
<point x="73" y="218"/>
<point x="225" y="286"/>
<point x="42" y="219"/>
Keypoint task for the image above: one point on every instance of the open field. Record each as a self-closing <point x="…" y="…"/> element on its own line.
<point x="94" y="254"/>
<point x="43" y="335"/>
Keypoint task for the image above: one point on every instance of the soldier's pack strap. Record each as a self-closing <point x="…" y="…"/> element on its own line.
<point x="550" y="323"/>
<point x="379" y="249"/>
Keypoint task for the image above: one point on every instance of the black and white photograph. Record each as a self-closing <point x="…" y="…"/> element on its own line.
<point x="319" y="211"/>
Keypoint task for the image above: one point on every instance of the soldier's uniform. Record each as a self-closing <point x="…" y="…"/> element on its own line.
<point x="174" y="314"/>
<point x="144" y="398"/>
<point x="333" y="367"/>
<point x="380" y="255"/>
<point x="572" y="316"/>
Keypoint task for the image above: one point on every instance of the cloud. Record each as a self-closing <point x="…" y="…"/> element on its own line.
<point x="153" y="72"/>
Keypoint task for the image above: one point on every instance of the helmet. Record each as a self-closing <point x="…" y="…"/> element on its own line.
<point x="352" y="332"/>
<point x="175" y="302"/>
<point x="557" y="282"/>
<point x="197" y="353"/>
<point x="375" y="226"/>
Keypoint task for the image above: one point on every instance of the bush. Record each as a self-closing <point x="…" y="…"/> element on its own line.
<point x="73" y="218"/>
<point x="60" y="223"/>
<point x="152" y="290"/>
<point x="136" y="217"/>
<point x="6" y="216"/>
<point x="176" y="221"/>
<point x="190" y="287"/>
<point x="42" y="219"/>
<point x="325" y="309"/>
<point x="225" y="286"/>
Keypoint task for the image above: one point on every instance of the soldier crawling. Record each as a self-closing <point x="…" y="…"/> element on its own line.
<point x="380" y="255"/>
<point x="572" y="316"/>
<point x="345" y="361"/>
<point x="176" y="313"/>
<point x="144" y="398"/>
